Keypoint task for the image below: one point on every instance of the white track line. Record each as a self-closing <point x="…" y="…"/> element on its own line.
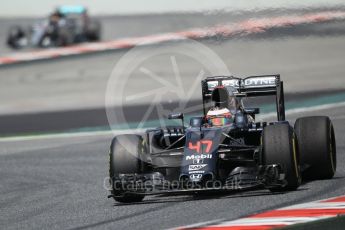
<point x="109" y="132"/>
<point x="69" y="135"/>
<point x="304" y="110"/>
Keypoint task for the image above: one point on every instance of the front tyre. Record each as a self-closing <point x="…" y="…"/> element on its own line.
<point x="279" y="147"/>
<point x="124" y="158"/>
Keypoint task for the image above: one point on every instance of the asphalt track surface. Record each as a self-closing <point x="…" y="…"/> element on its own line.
<point x="57" y="183"/>
<point x="36" y="93"/>
<point x="70" y="93"/>
<point x="80" y="82"/>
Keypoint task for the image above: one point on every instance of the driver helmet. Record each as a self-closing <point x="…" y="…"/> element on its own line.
<point x="220" y="114"/>
<point x="219" y="117"/>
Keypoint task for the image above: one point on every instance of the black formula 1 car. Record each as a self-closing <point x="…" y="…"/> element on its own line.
<point x="236" y="153"/>
<point x="65" y="26"/>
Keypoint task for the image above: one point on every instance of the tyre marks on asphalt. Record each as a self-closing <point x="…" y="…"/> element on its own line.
<point x="251" y="26"/>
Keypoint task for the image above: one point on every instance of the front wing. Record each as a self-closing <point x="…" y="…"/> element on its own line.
<point x="269" y="176"/>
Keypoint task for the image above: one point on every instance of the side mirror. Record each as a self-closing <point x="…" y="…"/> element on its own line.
<point x="251" y="111"/>
<point x="176" y="116"/>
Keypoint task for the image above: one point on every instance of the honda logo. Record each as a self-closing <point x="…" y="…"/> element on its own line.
<point x="195" y="176"/>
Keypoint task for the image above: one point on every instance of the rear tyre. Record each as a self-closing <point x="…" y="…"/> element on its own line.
<point x="15" y="34"/>
<point x="279" y="147"/>
<point x="316" y="142"/>
<point x="124" y="157"/>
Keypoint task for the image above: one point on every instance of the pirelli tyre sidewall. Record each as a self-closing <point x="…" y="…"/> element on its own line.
<point x="317" y="145"/>
<point x="125" y="158"/>
<point x="279" y="147"/>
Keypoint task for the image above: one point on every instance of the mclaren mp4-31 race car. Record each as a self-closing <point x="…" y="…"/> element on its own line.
<point x="224" y="149"/>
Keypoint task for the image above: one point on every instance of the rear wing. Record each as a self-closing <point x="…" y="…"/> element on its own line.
<point x="71" y="9"/>
<point x="252" y="86"/>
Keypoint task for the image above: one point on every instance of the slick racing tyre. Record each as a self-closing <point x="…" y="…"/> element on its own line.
<point x="124" y="158"/>
<point x="15" y="34"/>
<point x="279" y="147"/>
<point x="316" y="143"/>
